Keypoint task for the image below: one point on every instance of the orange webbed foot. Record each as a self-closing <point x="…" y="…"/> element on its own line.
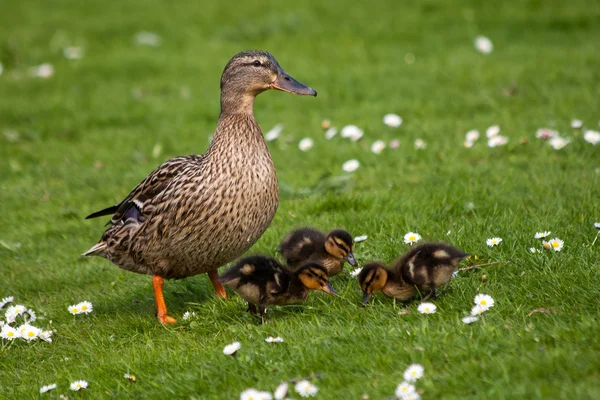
<point x="219" y="289"/>
<point x="166" y="320"/>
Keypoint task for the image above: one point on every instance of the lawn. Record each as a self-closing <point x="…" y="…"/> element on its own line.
<point x="78" y="141"/>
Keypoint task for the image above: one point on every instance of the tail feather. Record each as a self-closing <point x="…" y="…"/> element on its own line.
<point x="107" y="211"/>
<point x="96" y="249"/>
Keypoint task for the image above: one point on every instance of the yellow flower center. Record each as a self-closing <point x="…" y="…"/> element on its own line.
<point x="83" y="308"/>
<point x="483" y="302"/>
<point x="555" y="244"/>
<point x="10" y="334"/>
<point x="411" y="237"/>
<point x="74" y="310"/>
<point x="30" y="334"/>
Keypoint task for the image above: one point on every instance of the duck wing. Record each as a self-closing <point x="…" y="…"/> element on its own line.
<point x="301" y="244"/>
<point x="133" y="206"/>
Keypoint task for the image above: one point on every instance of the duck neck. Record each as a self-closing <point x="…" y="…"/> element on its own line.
<point x="236" y="102"/>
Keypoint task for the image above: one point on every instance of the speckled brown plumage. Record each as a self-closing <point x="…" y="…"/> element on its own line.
<point x="331" y="250"/>
<point x="195" y="213"/>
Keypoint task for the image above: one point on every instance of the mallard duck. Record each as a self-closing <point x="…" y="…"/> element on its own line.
<point x="331" y="250"/>
<point x="263" y="281"/>
<point x="195" y="213"/>
<point x="423" y="269"/>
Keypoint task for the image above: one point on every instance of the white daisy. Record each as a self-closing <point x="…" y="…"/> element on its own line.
<point x="493" y="241"/>
<point x="13" y="311"/>
<point x="85" y="307"/>
<point x="411" y="396"/>
<point x="597" y="225"/>
<point x="6" y="300"/>
<point x="534" y="250"/>
<point x="47" y="388"/>
<point x="413" y="372"/>
<point x="46" y="336"/>
<point x="330" y="133"/>
<point x="403" y="389"/>
<point x="78" y="385"/>
<point x="472" y="135"/>
<point x="361" y="238"/>
<point x="556" y="244"/>
<point x="272" y="339"/>
<point x="558" y="142"/>
<point x="496" y="141"/>
<point x="147" y="39"/>
<point x="470" y="319"/>
<point x="492" y="131"/>
<point x="306" y="389"/>
<point x="576" y="123"/>
<point x="130" y="377"/>
<point x="483" y="45"/>
<point x="281" y="391"/>
<point x="74" y="310"/>
<point x="484" y="301"/>
<point x="29" y="332"/>
<point x="592" y="137"/>
<point x="356" y="272"/>
<point x="352" y="132"/>
<point x="9" y="333"/>
<point x="427" y="308"/>
<point x="545" y="133"/>
<point x="73" y="53"/>
<point x="420" y="144"/>
<point x="306" y="144"/>
<point x="541" y="235"/>
<point x="253" y="394"/>
<point x="43" y="71"/>
<point x="188" y="314"/>
<point x="478" y="310"/>
<point x="378" y="146"/>
<point x="411" y="237"/>
<point x="392" y="120"/>
<point x="350" y="165"/>
<point x="274" y="133"/>
<point x="546" y="245"/>
<point x="232" y="348"/>
<point x="394" y="144"/>
<point x="30" y="315"/>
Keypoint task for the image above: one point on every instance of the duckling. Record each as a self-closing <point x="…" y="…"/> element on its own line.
<point x="423" y="269"/>
<point x="263" y="281"/>
<point x="310" y="244"/>
<point x="196" y="213"/>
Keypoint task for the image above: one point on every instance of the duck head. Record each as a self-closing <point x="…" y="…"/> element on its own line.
<point x="250" y="73"/>
<point x="314" y="276"/>
<point x="372" y="278"/>
<point x="339" y="244"/>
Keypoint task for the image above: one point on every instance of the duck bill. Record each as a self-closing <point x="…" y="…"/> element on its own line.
<point x="286" y="83"/>
<point x="366" y="298"/>
<point x="328" y="289"/>
<point x="351" y="259"/>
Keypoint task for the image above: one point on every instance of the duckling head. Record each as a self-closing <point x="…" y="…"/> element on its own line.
<point x="372" y="278"/>
<point x="250" y="73"/>
<point x="339" y="244"/>
<point x="314" y="276"/>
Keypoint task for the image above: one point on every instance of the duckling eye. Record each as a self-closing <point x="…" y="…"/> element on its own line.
<point x="257" y="63"/>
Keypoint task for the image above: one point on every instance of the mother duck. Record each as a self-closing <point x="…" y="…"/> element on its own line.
<point x="196" y="213"/>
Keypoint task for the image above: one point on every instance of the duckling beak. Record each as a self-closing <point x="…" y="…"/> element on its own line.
<point x="366" y="298"/>
<point x="288" y="84"/>
<point x="328" y="289"/>
<point x="351" y="259"/>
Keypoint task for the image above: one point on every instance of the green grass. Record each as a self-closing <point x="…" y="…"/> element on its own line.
<point x="86" y="136"/>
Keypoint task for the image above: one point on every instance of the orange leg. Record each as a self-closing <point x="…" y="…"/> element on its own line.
<point x="213" y="275"/>
<point x="161" y="308"/>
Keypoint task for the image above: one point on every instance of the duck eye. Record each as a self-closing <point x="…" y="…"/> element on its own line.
<point x="256" y="63"/>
